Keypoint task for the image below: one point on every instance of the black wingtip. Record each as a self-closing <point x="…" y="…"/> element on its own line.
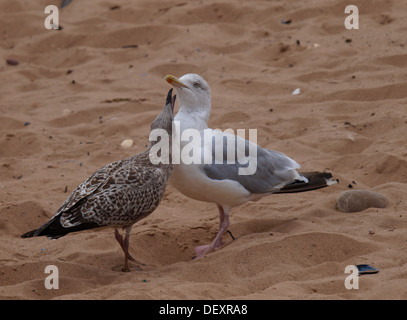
<point x="29" y="234"/>
<point x="54" y="230"/>
<point x="316" y="180"/>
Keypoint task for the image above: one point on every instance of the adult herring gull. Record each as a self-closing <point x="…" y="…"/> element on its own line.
<point x="220" y="181"/>
<point x="117" y="195"/>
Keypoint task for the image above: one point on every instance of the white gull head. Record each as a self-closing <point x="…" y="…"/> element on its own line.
<point x="193" y="93"/>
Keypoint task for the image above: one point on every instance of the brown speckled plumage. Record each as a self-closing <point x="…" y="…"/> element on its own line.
<point x="117" y="195"/>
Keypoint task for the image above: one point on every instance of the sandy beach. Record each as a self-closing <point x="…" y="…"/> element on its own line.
<point x="69" y="97"/>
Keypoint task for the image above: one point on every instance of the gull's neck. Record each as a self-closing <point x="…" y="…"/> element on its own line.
<point x="196" y="118"/>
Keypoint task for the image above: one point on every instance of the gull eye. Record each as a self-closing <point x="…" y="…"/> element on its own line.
<point x="197" y="85"/>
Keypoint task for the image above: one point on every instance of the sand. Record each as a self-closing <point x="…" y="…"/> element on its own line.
<point x="77" y="93"/>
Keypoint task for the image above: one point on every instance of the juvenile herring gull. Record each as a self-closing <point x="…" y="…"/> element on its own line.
<point x="220" y="181"/>
<point x="117" y="195"/>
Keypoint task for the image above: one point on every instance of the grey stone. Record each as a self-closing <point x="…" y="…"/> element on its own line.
<point x="359" y="200"/>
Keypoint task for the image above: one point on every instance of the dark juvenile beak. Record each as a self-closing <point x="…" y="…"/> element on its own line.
<point x="171" y="100"/>
<point x="169" y="97"/>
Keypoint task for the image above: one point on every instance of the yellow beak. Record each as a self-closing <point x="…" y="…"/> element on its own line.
<point x="174" y="81"/>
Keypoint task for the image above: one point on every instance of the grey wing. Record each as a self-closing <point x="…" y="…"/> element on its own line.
<point x="272" y="169"/>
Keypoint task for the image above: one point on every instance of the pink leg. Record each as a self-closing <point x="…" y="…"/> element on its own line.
<point x="124" y="243"/>
<point x="217" y="242"/>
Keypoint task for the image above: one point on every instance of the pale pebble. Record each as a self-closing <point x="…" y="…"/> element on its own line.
<point x="296" y="91"/>
<point x="127" y="143"/>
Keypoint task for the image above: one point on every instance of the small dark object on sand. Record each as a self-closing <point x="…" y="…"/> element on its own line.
<point x="366" y="269"/>
<point x="64" y="3"/>
<point x="12" y="62"/>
